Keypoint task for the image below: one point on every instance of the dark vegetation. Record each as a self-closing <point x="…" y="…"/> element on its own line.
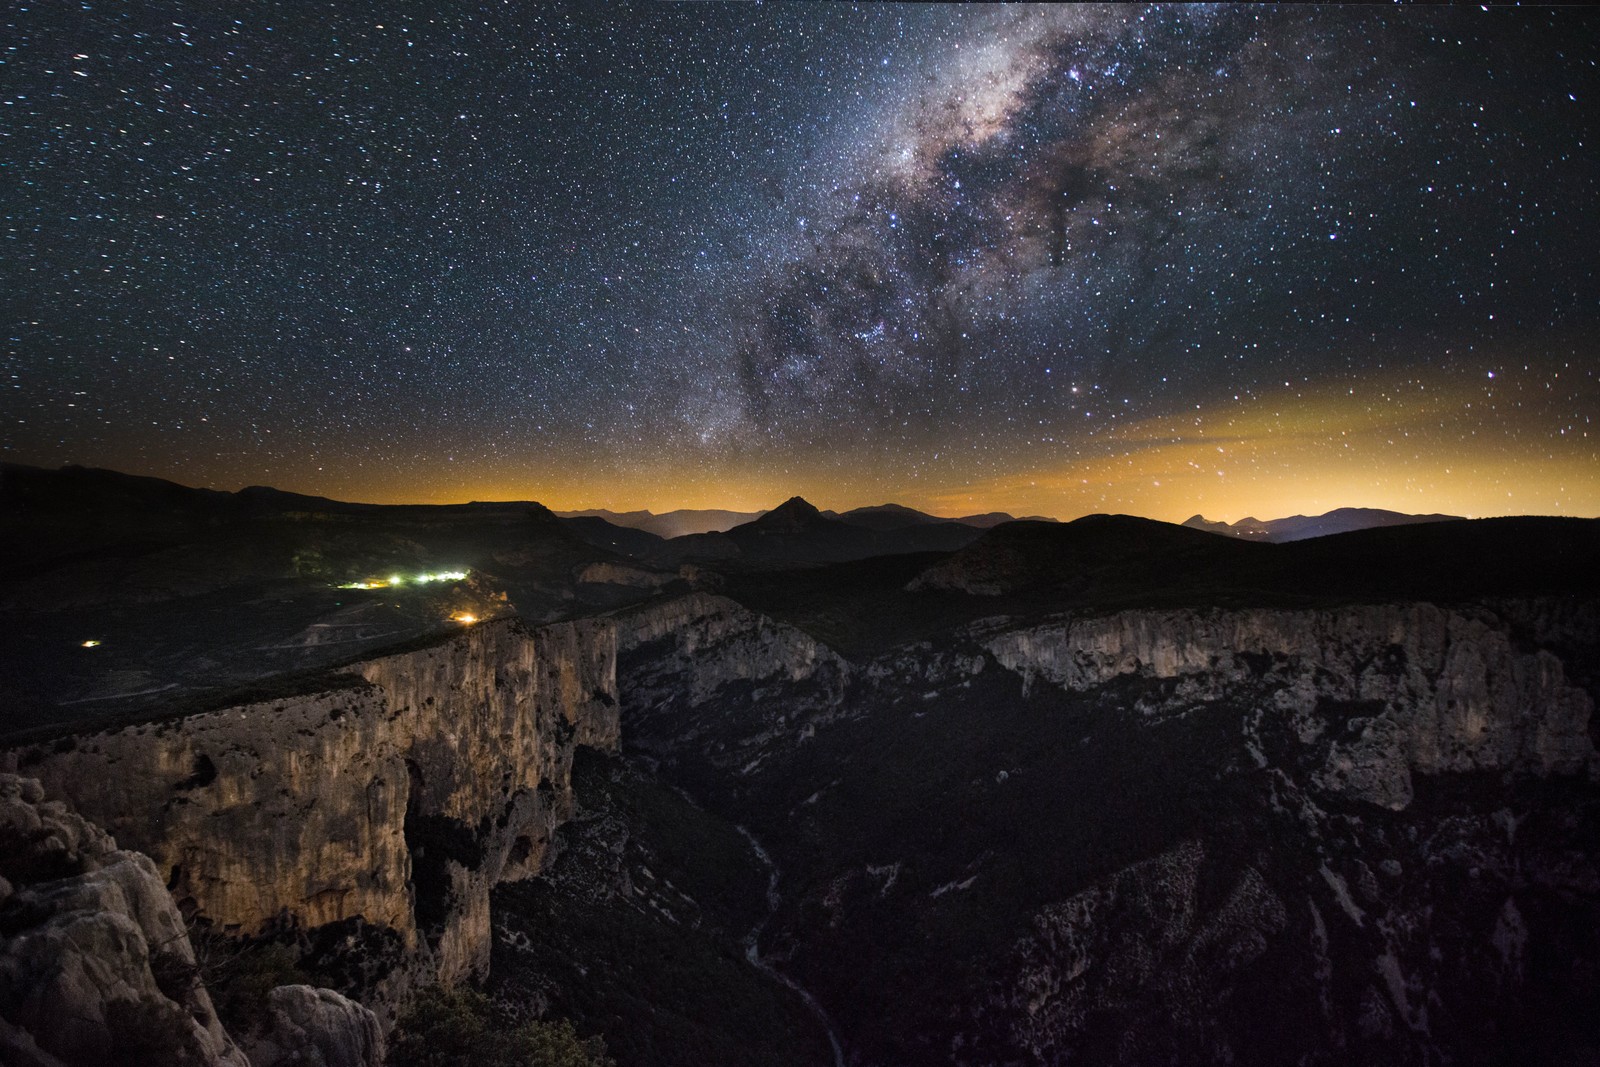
<point x="150" y="1031"/>
<point x="1108" y="562"/>
<point x="239" y="973"/>
<point x="462" y="1028"/>
<point x="623" y="540"/>
<point x="859" y="608"/>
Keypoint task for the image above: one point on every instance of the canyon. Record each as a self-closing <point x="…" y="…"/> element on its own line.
<point x="1097" y="792"/>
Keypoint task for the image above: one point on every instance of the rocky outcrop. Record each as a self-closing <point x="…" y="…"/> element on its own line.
<point x="692" y="647"/>
<point x="1146" y="936"/>
<point x="707" y="679"/>
<point x="1435" y="690"/>
<point x="1321" y="836"/>
<point x="306" y="1027"/>
<point x="399" y="797"/>
<point x="626" y="574"/>
<point x="95" y="957"/>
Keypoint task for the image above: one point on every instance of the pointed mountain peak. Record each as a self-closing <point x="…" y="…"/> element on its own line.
<point x="792" y="514"/>
<point x="796" y="505"/>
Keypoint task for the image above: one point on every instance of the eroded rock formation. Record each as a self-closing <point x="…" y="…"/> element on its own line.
<point x="96" y="957"/>
<point x="1441" y="691"/>
<point x="400" y="797"/>
<point x="691" y="647"/>
<point x="306" y="1027"/>
<point x="1357" y="834"/>
<point x="97" y="964"/>
<point x="1103" y="950"/>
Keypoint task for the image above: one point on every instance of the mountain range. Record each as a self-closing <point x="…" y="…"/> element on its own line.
<point x="1303" y="527"/>
<point x="870" y="788"/>
<point x="686" y="521"/>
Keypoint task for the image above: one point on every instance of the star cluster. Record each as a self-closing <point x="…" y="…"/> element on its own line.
<point x="1054" y="260"/>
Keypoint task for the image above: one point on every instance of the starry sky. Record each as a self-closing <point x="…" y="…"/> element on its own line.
<point x="1223" y="259"/>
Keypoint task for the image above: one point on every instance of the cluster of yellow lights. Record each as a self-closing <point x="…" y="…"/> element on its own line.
<point x="465" y="618"/>
<point x="401" y="579"/>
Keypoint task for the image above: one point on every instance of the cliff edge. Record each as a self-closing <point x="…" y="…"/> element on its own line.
<point x="392" y="802"/>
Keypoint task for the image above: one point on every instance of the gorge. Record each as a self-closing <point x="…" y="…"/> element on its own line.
<point x="1042" y="799"/>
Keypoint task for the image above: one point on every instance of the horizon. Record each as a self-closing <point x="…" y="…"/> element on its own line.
<point x="1055" y="261"/>
<point x="822" y="506"/>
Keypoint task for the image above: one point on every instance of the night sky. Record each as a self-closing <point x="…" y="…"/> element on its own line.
<point x="1230" y="260"/>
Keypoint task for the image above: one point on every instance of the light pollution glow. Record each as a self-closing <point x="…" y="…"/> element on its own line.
<point x="1227" y="259"/>
<point x="1478" y="443"/>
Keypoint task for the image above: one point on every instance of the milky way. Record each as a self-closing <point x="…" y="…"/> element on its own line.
<point x="1060" y="260"/>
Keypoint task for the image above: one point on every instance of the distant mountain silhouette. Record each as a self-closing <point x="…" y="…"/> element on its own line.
<point x="884" y="517"/>
<point x="796" y="531"/>
<point x="57" y="522"/>
<point x="792" y="516"/>
<point x="1112" y="561"/>
<point x="687" y="521"/>
<point x="898" y="516"/>
<point x="1302" y="527"/>
<point x="629" y="519"/>
<point x="1020" y="556"/>
<point x="604" y="533"/>
<point x="679" y="523"/>
<point x="995" y="518"/>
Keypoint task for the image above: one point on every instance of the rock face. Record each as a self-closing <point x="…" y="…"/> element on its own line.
<point x="690" y="648"/>
<point x="608" y="573"/>
<point x="627" y="915"/>
<point x="308" y="1027"/>
<point x="1352" y="835"/>
<point x="1443" y="691"/>
<point x="705" y="667"/>
<point x="1103" y="951"/>
<point x="400" y="798"/>
<point x="96" y="958"/>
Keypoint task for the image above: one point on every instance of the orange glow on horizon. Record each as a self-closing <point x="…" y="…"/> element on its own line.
<point x="1450" y="441"/>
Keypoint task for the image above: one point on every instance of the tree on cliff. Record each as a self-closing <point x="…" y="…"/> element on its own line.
<point x="458" y="1028"/>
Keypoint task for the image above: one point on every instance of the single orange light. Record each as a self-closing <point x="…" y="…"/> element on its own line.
<point x="466" y="618"/>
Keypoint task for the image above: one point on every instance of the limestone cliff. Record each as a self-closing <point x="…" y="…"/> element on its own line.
<point x="697" y="644"/>
<point x="96" y="962"/>
<point x="725" y="683"/>
<point x="1441" y="690"/>
<point x="306" y="1027"/>
<point x="1332" y="835"/>
<point x="95" y="953"/>
<point x="400" y="797"/>
<point x="1152" y="919"/>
